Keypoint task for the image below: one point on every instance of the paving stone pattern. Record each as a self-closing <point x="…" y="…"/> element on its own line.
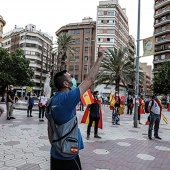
<point x="24" y="144"/>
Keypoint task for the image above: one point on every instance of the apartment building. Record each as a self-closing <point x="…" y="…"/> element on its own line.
<point x="146" y="83"/>
<point x="112" y="30"/>
<point x="2" y="24"/>
<point x="37" y="47"/>
<point x="162" y="33"/>
<point x="132" y="46"/>
<point x="112" y="25"/>
<point x="84" y="34"/>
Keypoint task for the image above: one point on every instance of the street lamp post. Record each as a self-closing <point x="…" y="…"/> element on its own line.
<point x="25" y="54"/>
<point x="137" y="70"/>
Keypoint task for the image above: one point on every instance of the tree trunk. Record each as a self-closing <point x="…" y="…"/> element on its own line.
<point x="117" y="84"/>
<point x="63" y="62"/>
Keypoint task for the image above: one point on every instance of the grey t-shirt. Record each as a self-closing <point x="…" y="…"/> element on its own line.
<point x="155" y="108"/>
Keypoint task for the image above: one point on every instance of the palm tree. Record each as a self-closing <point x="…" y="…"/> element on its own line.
<point x="64" y="42"/>
<point x="116" y="68"/>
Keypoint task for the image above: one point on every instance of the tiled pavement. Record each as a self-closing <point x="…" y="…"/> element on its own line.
<point x="24" y="145"/>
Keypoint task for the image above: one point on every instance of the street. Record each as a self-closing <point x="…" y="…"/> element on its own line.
<point x="24" y="144"/>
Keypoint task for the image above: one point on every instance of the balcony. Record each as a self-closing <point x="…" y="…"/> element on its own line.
<point x="162" y="41"/>
<point x="162" y="13"/>
<point x="161" y="4"/>
<point x="163" y="50"/>
<point x="160" y="60"/>
<point x="162" y="22"/>
<point x="161" y="32"/>
<point x="155" y="70"/>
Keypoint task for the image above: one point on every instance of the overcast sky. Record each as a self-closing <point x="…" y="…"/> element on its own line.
<point x="50" y="15"/>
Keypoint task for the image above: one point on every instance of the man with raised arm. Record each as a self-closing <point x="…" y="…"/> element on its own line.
<point x="63" y="104"/>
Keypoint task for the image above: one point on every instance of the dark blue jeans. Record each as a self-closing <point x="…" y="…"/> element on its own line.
<point x="154" y="119"/>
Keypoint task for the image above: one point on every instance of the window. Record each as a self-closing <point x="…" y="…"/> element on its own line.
<point x="156" y="39"/>
<point x="73" y="41"/>
<point x="86" y="49"/>
<point x="87" y="30"/>
<point x="77" y="40"/>
<point x="76" y="77"/>
<point x="77" y="58"/>
<point x="111" y="13"/>
<point x="163" y="57"/>
<point x="100" y="39"/>
<point x="99" y="31"/>
<point x="77" y="49"/>
<point x="87" y="40"/>
<point x="76" y="67"/>
<point x="75" y="32"/>
<point x="86" y="58"/>
<point x="111" y="31"/>
<point x="71" y="68"/>
<point x="163" y="37"/>
<point x="85" y="67"/>
<point x="111" y="21"/>
<point x="100" y="21"/>
<point x="162" y="47"/>
<point x="164" y="9"/>
<point x="101" y="13"/>
<point x="71" y="59"/>
<point x="156" y="58"/>
<point x="163" y="18"/>
<point x="163" y="28"/>
<point x="110" y="39"/>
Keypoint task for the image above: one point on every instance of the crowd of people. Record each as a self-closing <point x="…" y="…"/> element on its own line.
<point x="63" y="106"/>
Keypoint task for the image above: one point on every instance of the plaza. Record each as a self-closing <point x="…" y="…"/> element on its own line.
<point x="24" y="144"/>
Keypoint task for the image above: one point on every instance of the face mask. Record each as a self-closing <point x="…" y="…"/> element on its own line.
<point x="117" y="95"/>
<point x="73" y="83"/>
<point x="12" y="88"/>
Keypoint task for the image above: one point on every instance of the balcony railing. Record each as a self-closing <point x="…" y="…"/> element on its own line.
<point x="161" y="21"/>
<point x="166" y="10"/>
<point x="162" y="3"/>
<point x="162" y="40"/>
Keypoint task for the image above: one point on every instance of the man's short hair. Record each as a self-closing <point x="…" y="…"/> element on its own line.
<point x="59" y="78"/>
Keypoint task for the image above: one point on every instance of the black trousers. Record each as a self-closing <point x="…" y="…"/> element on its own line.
<point x="41" y="112"/>
<point x="29" y="110"/>
<point x="96" y="120"/>
<point x="129" y="108"/>
<point x="56" y="164"/>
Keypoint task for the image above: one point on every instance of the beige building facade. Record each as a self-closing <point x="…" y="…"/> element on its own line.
<point x="2" y="24"/>
<point x="37" y="47"/>
<point x="146" y="84"/>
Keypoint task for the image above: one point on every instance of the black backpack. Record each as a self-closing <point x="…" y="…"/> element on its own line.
<point x="146" y="105"/>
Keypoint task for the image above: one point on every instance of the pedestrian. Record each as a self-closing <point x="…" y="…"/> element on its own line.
<point x="10" y="102"/>
<point x="81" y="106"/>
<point x="129" y="104"/>
<point x="155" y="110"/>
<point x="94" y="115"/>
<point x="63" y="109"/>
<point x="115" y="114"/>
<point x="141" y="109"/>
<point x="42" y="101"/>
<point x="30" y="101"/>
